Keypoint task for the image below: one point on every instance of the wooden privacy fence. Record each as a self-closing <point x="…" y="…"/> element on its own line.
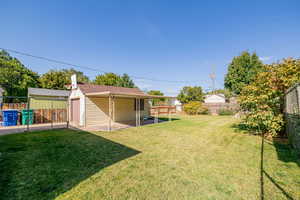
<point x="162" y="110"/>
<point x="40" y="115"/>
<point x="292" y="115"/>
<point x="49" y="115"/>
<point x="215" y="108"/>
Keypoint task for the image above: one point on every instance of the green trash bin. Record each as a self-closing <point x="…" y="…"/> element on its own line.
<point x="27" y="115"/>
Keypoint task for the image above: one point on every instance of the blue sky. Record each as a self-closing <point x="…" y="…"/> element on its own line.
<point x="169" y="40"/>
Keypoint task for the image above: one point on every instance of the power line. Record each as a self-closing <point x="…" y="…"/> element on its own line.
<point x="91" y="68"/>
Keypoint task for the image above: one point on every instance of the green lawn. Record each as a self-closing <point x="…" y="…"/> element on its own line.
<point x="201" y="157"/>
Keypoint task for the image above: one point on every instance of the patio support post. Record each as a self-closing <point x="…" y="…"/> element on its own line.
<point x="156" y="115"/>
<point x="136" y="117"/>
<point x="139" y="111"/>
<point x="68" y="113"/>
<point x="169" y="109"/>
<point x="109" y="113"/>
<point x="51" y="114"/>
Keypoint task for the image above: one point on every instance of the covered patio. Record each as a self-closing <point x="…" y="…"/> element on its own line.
<point x="119" y="114"/>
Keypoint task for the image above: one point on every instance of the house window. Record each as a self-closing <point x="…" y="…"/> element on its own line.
<point x="142" y="104"/>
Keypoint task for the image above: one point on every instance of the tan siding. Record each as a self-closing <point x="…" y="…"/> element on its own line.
<point x="96" y="110"/>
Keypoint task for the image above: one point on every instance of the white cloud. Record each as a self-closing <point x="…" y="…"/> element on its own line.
<point x="265" y="58"/>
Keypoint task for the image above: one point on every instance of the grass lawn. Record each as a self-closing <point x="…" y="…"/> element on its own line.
<point x="201" y="157"/>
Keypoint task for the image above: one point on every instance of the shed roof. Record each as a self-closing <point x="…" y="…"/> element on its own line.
<point x="48" y="92"/>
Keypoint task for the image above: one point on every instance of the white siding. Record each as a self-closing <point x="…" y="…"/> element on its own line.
<point x="214" y="99"/>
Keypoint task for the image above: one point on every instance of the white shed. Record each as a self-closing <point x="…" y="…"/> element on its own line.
<point x="215" y="98"/>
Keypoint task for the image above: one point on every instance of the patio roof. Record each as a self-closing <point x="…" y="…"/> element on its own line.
<point x="127" y="95"/>
<point x="105" y="91"/>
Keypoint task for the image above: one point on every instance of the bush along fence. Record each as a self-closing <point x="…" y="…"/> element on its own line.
<point x="292" y="115"/>
<point x="33" y="113"/>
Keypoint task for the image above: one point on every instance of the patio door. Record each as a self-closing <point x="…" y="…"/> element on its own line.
<point x="75" y="111"/>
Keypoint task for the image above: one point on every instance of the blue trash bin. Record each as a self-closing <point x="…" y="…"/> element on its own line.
<point x="10" y="117"/>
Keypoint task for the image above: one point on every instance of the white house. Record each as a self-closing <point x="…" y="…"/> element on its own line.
<point x="214" y="98"/>
<point x="175" y="102"/>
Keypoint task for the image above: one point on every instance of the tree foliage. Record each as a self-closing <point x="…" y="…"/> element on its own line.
<point x="81" y="78"/>
<point x="15" y="78"/>
<point x="157" y="93"/>
<point x="54" y="79"/>
<point x="242" y="71"/>
<point x="113" y="79"/>
<point x="263" y="99"/>
<point x="189" y="93"/>
<point x="58" y="79"/>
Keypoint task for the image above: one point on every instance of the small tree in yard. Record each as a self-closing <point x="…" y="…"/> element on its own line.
<point x="188" y="94"/>
<point x="263" y="99"/>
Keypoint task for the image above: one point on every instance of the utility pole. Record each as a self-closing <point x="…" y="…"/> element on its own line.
<point x="213" y="78"/>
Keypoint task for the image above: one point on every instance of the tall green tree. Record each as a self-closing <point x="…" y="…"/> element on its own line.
<point x="54" y="79"/>
<point x="188" y="94"/>
<point x="113" y="79"/>
<point x="15" y="78"/>
<point x="242" y="71"/>
<point x="81" y="77"/>
<point x="157" y="93"/>
<point x="58" y="79"/>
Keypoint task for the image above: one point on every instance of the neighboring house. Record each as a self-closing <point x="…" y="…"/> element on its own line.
<point x="96" y="105"/>
<point x="175" y="102"/>
<point x="214" y="98"/>
<point x="40" y="98"/>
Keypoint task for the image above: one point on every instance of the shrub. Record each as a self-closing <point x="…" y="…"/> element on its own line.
<point x="226" y="112"/>
<point x="203" y="110"/>
<point x="194" y="108"/>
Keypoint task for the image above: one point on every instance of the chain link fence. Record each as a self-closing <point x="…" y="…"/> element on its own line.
<point x="292" y="115"/>
<point x="21" y="114"/>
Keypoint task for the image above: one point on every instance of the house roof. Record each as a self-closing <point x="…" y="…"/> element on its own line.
<point x="48" y="92"/>
<point x="104" y="90"/>
<point x="220" y="95"/>
<point x="91" y="88"/>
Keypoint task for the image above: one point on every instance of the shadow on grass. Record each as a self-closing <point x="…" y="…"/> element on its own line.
<point x="44" y="165"/>
<point x="286" y="154"/>
<point x="167" y="119"/>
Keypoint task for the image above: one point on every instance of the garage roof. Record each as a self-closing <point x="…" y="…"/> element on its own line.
<point x="48" y="92"/>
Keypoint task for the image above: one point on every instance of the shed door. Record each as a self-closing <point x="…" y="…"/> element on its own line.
<point x="75" y="111"/>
